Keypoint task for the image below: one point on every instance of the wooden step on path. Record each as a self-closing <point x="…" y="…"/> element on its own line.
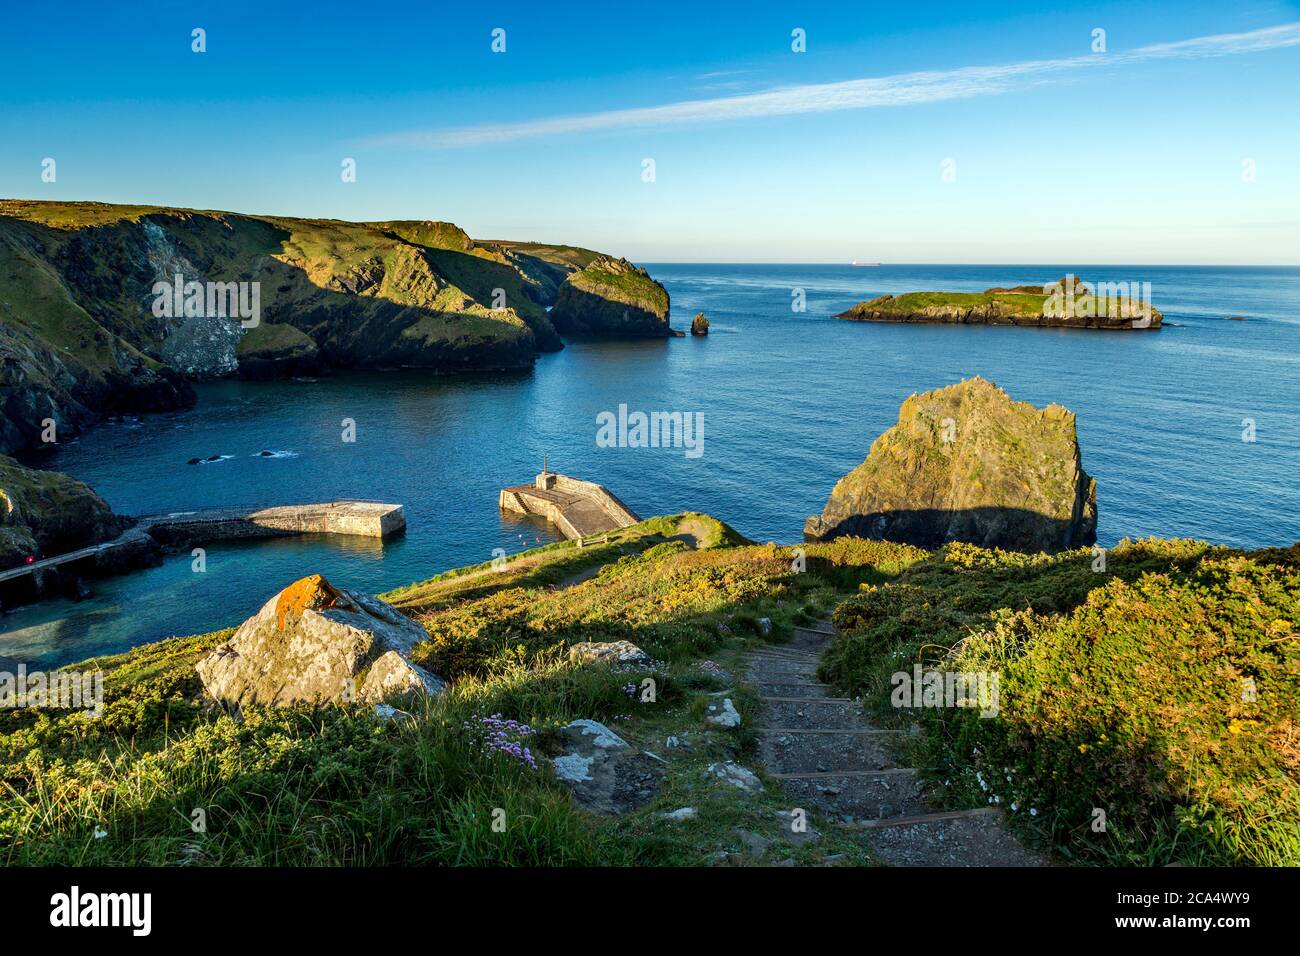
<point x="830" y="757"/>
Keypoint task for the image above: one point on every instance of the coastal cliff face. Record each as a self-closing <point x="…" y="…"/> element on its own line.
<point x="44" y="513"/>
<point x="612" y="297"/>
<point x="1074" y="305"/>
<point x="81" y="332"/>
<point x="967" y="463"/>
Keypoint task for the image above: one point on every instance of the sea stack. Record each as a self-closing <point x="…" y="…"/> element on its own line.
<point x="699" y="325"/>
<point x="968" y="463"/>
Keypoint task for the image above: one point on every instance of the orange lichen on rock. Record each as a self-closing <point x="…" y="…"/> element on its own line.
<point x="312" y="592"/>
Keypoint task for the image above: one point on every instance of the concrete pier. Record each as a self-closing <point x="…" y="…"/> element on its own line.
<point x="183" y="529"/>
<point x="369" y="519"/>
<point x="578" y="508"/>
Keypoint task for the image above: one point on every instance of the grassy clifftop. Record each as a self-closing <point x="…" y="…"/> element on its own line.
<point x="612" y="297"/>
<point x="1121" y="689"/>
<point x="80" y="334"/>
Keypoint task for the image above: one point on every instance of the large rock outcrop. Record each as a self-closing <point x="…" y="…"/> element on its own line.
<point x="968" y="463"/>
<point x="314" y="643"/>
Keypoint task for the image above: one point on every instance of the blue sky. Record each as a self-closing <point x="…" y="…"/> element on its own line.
<point x="1061" y="154"/>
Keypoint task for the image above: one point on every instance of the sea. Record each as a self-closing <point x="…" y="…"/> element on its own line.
<point x="1191" y="431"/>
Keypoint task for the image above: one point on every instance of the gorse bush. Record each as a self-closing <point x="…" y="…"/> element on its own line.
<point x="1159" y="698"/>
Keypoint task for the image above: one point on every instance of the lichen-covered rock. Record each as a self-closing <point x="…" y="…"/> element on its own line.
<point x="722" y="713"/>
<point x="612" y="298"/>
<point x="607" y="652"/>
<point x="604" y="772"/>
<point x="44" y="513"/>
<point x="735" y="775"/>
<point x="968" y="463"/>
<point x="314" y="643"/>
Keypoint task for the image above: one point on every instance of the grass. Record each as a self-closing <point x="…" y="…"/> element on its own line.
<point x="1123" y="691"/>
<point x="631" y="288"/>
<point x="910" y="302"/>
<point x="1119" y="690"/>
<point x="325" y="786"/>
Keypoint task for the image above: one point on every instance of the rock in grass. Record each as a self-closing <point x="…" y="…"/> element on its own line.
<point x="314" y="643"/>
<point x="735" y="775"/>
<point x="723" y="714"/>
<point x="968" y="463"/>
<point x="685" y="813"/>
<point x="607" y="652"/>
<point x="605" y="774"/>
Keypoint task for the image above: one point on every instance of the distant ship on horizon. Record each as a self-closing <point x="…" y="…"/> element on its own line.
<point x="855" y="262"/>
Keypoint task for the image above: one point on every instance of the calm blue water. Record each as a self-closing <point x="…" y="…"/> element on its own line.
<point x="791" y="402"/>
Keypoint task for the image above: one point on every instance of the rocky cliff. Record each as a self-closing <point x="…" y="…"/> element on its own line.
<point x="612" y="297"/>
<point x="43" y="513"/>
<point x="968" y="463"/>
<point x="1067" y="303"/>
<point x="86" y="327"/>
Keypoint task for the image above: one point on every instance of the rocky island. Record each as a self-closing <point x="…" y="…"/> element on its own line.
<point x="1067" y="303"/>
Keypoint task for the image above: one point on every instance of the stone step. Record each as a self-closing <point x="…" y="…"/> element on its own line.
<point x="935" y="817"/>
<point x="791" y="688"/>
<point x="804" y="656"/>
<point x="798" y="700"/>
<point x="863" y="795"/>
<point x="826" y="713"/>
<point x="774" y="674"/>
<point x="809" y="641"/>
<point x="838" y="733"/>
<point x="972" y="839"/>
<point x="823" y="752"/>
<point x="827" y="629"/>
<point x="823" y="774"/>
<point x="783" y="675"/>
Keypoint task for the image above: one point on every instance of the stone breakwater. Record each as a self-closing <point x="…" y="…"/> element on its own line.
<point x="578" y="508"/>
<point x="148" y="537"/>
<point x="364" y="518"/>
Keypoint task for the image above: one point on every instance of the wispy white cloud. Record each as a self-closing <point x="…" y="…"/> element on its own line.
<point x="901" y="89"/>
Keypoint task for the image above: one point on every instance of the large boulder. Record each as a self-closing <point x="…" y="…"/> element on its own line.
<point x="605" y="773"/>
<point x="607" y="652"/>
<point x="314" y="643"/>
<point x="968" y="463"/>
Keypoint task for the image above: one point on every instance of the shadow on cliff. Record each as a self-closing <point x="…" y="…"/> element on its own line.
<point x="1011" y="529"/>
<point x="584" y="314"/>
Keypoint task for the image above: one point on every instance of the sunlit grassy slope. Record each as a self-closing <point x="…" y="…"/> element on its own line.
<point x="1120" y="689"/>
